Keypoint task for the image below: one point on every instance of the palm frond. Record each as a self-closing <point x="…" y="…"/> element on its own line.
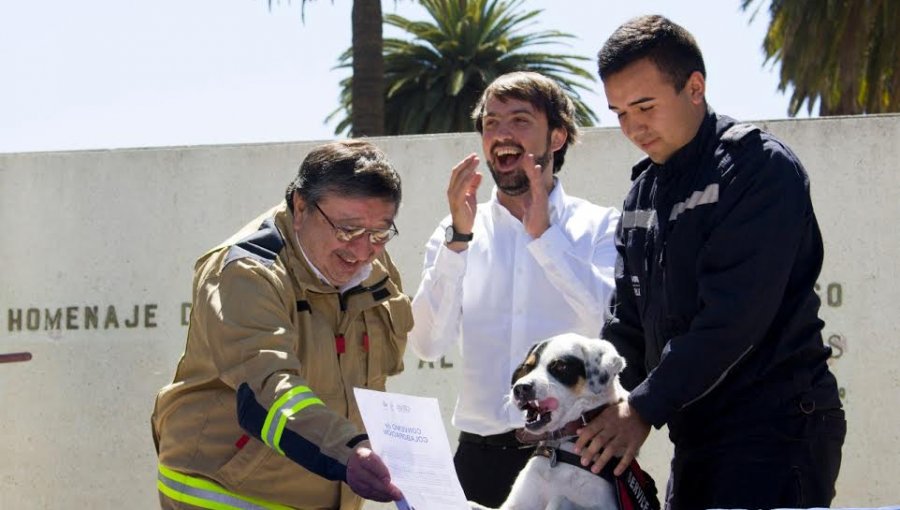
<point x="434" y="78"/>
<point x="843" y="55"/>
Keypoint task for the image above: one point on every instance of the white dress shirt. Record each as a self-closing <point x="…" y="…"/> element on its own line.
<point x="506" y="292"/>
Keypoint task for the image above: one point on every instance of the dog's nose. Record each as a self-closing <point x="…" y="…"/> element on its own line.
<point x="523" y="392"/>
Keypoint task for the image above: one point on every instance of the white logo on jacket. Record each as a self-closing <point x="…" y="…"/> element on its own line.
<point x="561" y="379"/>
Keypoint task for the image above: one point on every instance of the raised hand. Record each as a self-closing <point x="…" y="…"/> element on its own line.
<point x="536" y="216"/>
<point x="461" y="195"/>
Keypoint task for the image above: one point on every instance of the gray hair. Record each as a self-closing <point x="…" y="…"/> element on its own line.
<point x="353" y="168"/>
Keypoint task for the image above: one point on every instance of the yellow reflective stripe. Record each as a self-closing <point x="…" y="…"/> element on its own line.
<point x="289" y="403"/>
<point x="296" y="409"/>
<point x="273" y="411"/>
<point x="193" y="500"/>
<point x="206" y="494"/>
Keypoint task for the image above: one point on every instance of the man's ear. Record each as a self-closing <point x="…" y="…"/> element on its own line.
<point x="558" y="138"/>
<point x="696" y="87"/>
<point x="300" y="208"/>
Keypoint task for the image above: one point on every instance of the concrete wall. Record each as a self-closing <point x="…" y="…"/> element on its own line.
<point x="96" y="251"/>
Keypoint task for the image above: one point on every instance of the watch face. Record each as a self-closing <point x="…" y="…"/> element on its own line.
<point x="448" y="234"/>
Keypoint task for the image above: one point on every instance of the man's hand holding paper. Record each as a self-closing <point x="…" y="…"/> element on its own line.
<point x="368" y="476"/>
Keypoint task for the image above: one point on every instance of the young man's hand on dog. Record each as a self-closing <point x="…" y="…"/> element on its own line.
<point x="619" y="431"/>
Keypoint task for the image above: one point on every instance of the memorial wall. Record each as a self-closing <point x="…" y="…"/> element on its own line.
<point x="96" y="257"/>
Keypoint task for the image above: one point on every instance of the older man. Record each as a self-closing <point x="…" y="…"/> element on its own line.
<point x="289" y="315"/>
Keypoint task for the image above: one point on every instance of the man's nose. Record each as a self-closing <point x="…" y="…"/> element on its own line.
<point x="630" y="126"/>
<point x="362" y="246"/>
<point x="627" y="126"/>
<point x="503" y="131"/>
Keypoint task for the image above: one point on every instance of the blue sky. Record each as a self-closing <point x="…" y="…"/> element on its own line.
<point x="98" y="74"/>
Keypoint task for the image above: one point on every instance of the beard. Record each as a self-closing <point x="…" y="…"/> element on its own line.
<point x="515" y="182"/>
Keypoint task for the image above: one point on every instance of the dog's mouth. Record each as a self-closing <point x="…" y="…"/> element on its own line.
<point x="538" y="412"/>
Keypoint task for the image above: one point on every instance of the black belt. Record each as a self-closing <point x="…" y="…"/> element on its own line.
<point x="504" y="440"/>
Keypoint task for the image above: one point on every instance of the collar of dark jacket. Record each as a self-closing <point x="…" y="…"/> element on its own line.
<point x="685" y="156"/>
<point x="689" y="156"/>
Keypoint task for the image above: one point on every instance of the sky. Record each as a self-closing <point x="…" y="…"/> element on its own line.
<point x="103" y="74"/>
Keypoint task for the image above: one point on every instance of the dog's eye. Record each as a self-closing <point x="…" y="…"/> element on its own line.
<point x="567" y="370"/>
<point x="558" y="366"/>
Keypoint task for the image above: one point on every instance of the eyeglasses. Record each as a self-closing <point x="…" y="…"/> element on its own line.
<point x="347" y="234"/>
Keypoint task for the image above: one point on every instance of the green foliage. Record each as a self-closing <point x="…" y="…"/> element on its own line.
<point x="845" y="54"/>
<point x="433" y="80"/>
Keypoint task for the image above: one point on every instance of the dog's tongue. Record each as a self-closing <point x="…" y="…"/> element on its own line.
<point x="549" y="404"/>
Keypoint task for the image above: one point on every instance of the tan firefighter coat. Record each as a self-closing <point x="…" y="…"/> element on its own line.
<point x="262" y="400"/>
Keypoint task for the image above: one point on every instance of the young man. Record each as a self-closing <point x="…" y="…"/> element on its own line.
<point x="288" y="316"/>
<point x="530" y="263"/>
<point x="719" y="251"/>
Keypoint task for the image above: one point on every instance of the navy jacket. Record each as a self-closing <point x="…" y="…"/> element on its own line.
<point x="719" y="251"/>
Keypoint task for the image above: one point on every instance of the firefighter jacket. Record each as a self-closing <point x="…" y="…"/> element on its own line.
<point x="262" y="400"/>
<point x="715" y="309"/>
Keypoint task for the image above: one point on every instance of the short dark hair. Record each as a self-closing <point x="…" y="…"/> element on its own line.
<point x="544" y="94"/>
<point x="668" y="45"/>
<point x="354" y="168"/>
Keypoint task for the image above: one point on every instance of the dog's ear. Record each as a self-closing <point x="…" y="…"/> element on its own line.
<point x="531" y="360"/>
<point x="617" y="363"/>
<point x="601" y="365"/>
<point x="597" y="378"/>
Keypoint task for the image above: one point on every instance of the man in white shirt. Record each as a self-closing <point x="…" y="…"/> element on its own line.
<point x="500" y="276"/>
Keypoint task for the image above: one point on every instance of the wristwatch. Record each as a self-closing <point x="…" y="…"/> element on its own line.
<point x="452" y="236"/>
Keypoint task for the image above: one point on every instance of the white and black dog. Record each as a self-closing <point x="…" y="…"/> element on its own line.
<point x="563" y="382"/>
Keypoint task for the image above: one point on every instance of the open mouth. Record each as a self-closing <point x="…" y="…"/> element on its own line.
<point x="538" y="413"/>
<point x="508" y="156"/>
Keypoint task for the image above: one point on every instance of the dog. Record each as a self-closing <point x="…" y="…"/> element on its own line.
<point x="564" y="382"/>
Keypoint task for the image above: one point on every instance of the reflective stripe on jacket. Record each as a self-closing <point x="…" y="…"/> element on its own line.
<point x="262" y="361"/>
<point x="202" y="493"/>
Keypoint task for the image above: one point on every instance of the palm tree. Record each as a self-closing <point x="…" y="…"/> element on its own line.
<point x="845" y="54"/>
<point x="434" y="80"/>
<point x="368" y="67"/>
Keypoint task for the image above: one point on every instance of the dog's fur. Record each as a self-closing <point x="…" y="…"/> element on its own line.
<point x="560" y="379"/>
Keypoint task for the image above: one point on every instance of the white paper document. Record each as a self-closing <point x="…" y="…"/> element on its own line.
<point x="408" y="434"/>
